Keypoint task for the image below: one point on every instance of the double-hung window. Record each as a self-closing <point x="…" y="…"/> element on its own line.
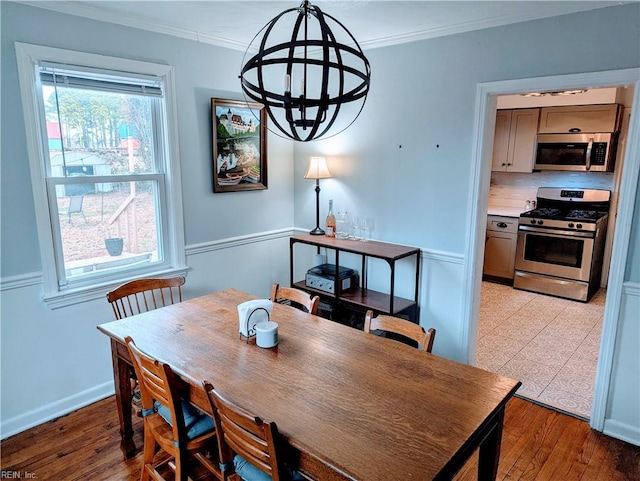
<point x="104" y="169"/>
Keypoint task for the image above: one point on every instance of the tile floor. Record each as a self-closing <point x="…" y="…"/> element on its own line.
<point x="549" y="344"/>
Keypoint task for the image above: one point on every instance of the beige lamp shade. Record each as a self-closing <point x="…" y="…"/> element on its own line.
<point x="317" y="169"/>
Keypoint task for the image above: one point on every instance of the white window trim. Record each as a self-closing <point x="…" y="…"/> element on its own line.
<point x="28" y="57"/>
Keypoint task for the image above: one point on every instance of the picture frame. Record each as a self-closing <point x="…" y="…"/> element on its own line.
<point x="239" y="145"/>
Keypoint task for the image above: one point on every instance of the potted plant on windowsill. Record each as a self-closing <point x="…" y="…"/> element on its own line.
<point x="114" y="245"/>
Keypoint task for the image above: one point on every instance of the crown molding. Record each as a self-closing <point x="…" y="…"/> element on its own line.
<point x="84" y="9"/>
<point x="464" y="27"/>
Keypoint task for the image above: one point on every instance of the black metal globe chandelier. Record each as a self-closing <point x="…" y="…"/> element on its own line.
<point x="313" y="57"/>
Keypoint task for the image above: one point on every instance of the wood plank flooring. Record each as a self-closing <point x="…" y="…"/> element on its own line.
<point x="538" y="445"/>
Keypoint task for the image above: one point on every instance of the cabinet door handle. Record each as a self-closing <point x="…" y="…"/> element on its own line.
<point x="502" y="225"/>
<point x="575" y="129"/>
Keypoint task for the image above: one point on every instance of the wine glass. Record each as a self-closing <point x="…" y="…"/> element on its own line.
<point x="354" y="225"/>
<point x="364" y="225"/>
<point x="371" y="225"/>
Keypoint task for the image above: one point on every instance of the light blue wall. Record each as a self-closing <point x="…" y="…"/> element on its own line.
<point x="633" y="261"/>
<point x="54" y="361"/>
<point x="422" y="98"/>
<point x="202" y="71"/>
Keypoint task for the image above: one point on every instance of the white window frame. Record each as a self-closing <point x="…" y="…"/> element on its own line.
<point x="29" y="57"/>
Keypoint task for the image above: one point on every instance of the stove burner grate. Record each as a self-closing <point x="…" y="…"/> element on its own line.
<point x="551" y="213"/>
<point x="542" y="212"/>
<point x="583" y="214"/>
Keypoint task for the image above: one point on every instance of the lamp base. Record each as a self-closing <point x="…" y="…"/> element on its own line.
<point x="317" y="231"/>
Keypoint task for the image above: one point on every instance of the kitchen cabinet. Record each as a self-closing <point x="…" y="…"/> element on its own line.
<point x="514" y="141"/>
<point x="359" y="298"/>
<point x="500" y="246"/>
<point x="580" y="118"/>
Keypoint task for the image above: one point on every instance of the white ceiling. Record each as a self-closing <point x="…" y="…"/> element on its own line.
<point x="373" y="23"/>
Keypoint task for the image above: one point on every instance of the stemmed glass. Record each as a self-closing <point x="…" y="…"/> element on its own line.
<point x="355" y="225"/>
<point x="365" y="225"/>
<point x="371" y="225"/>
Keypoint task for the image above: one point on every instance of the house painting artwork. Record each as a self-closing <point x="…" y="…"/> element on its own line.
<point x="239" y="147"/>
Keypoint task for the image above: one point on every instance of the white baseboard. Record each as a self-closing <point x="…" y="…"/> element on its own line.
<point x="624" y="432"/>
<point x="55" y="409"/>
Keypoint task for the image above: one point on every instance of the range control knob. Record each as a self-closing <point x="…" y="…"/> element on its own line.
<point x="579" y="226"/>
<point x="533" y="221"/>
<point x="540" y="222"/>
<point x="570" y="225"/>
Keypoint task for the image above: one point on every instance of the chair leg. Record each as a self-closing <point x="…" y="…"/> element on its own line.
<point x="182" y="463"/>
<point x="148" y="455"/>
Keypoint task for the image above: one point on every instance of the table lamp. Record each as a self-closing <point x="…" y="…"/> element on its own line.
<point x="317" y="170"/>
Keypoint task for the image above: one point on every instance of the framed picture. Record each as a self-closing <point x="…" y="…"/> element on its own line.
<point x="239" y="145"/>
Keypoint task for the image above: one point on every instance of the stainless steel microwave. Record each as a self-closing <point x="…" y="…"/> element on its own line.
<point x="580" y="152"/>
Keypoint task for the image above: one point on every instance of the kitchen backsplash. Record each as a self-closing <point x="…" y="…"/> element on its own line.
<point x="513" y="190"/>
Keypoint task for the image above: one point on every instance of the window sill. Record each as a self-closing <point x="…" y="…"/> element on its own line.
<point x="80" y="295"/>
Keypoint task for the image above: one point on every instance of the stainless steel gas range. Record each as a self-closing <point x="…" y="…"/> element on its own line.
<point x="561" y="243"/>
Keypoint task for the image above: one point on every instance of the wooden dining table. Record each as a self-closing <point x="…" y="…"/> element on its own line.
<point x="349" y="405"/>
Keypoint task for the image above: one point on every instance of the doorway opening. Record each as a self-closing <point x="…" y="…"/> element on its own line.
<point x="479" y="200"/>
<point x="549" y="343"/>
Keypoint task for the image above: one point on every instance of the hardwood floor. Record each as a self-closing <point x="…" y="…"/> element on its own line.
<point x="538" y="444"/>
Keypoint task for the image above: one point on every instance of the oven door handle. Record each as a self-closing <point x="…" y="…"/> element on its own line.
<point x="588" y="157"/>
<point x="555" y="232"/>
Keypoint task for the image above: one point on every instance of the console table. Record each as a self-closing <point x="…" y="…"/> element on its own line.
<point x="361" y="297"/>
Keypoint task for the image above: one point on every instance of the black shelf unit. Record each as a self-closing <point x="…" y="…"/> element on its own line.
<point x="360" y="298"/>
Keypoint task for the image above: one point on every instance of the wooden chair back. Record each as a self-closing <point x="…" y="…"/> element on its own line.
<point x="246" y="435"/>
<point x="142" y="295"/>
<point x="159" y="384"/>
<point x="400" y="326"/>
<point x="296" y="297"/>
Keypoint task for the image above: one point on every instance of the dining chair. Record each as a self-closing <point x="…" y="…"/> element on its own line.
<point x="142" y="295"/>
<point x="296" y="297"/>
<point x="171" y="423"/>
<point x="397" y="325"/>
<point x="251" y="442"/>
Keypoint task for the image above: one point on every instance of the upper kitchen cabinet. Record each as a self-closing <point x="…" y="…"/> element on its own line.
<point x="580" y="118"/>
<point x="514" y="141"/>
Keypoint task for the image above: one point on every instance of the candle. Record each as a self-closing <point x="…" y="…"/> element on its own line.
<point x="287" y="83"/>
